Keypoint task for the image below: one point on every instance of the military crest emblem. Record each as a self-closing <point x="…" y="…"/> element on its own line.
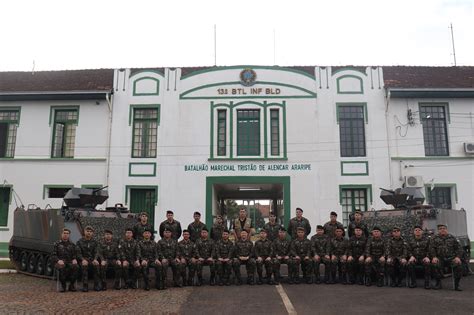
<point x="248" y="77"/>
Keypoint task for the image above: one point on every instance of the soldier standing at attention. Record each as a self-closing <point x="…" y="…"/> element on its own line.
<point x="141" y="226"/>
<point x="205" y="253"/>
<point x="272" y="227"/>
<point x="65" y="262"/>
<point x="195" y="227"/>
<point x="446" y="251"/>
<point x="263" y="256"/>
<point x="242" y="223"/>
<point x="357" y="223"/>
<point x="281" y="255"/>
<point x="129" y="257"/>
<point x="396" y="253"/>
<point x="331" y="225"/>
<point x="168" y="249"/>
<point x="109" y="256"/>
<point x="86" y="254"/>
<point x="419" y="251"/>
<point x="224" y="255"/>
<point x="171" y="224"/>
<point x="186" y="253"/>
<point x="338" y="248"/>
<point x="243" y="255"/>
<point x="375" y="259"/>
<point x="217" y="228"/>
<point x="300" y="253"/>
<point x="356" y="258"/>
<point x="298" y="221"/>
<point x="149" y="256"/>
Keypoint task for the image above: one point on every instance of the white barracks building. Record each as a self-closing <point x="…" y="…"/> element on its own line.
<point x="320" y="138"/>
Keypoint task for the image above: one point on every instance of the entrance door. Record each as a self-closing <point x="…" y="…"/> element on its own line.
<point x="4" y="204"/>
<point x="143" y="200"/>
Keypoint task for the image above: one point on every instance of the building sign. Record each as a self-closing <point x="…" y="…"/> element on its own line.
<point x="248" y="167"/>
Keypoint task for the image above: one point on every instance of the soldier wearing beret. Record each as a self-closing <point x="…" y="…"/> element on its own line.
<point x="109" y="257"/>
<point x="168" y="249"/>
<point x="357" y="222"/>
<point x="149" y="255"/>
<point x="375" y="257"/>
<point x="243" y="255"/>
<point x="300" y="253"/>
<point x="445" y="250"/>
<point x="396" y="253"/>
<point x="129" y="257"/>
<point x="298" y="221"/>
<point x="263" y="255"/>
<point x="205" y="253"/>
<point x="173" y="225"/>
<point x="356" y="258"/>
<point x="281" y="255"/>
<point x="141" y="226"/>
<point x="338" y="248"/>
<point x="419" y="255"/>
<point x="224" y="255"/>
<point x="319" y="246"/>
<point x="195" y="227"/>
<point x="331" y="225"/>
<point x="217" y="228"/>
<point x="272" y="227"/>
<point x="64" y="259"/>
<point x="86" y="254"/>
<point x="186" y="255"/>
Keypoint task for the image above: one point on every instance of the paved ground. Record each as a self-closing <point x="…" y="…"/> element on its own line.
<point x="22" y="294"/>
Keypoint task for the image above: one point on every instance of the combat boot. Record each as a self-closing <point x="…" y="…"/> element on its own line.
<point x="427" y="282"/>
<point x="85" y="287"/>
<point x="117" y="284"/>
<point x="199" y="282"/>
<point x="212" y="281"/>
<point x="176" y="281"/>
<point x="360" y="279"/>
<point x="97" y="286"/>
<point x="259" y="282"/>
<point x="251" y="280"/>
<point x="63" y="287"/>
<point x="343" y="277"/>
<point x="72" y="286"/>
<point x="380" y="280"/>
<point x="437" y="285"/>
<point x="368" y="280"/>
<point x="401" y="280"/>
<point x="157" y="281"/>
<point x="393" y="281"/>
<point x="412" y="283"/>
<point x="147" y="285"/>
<point x="296" y="276"/>
<point x="456" y="284"/>
<point x="326" y="275"/>
<point x="104" y="286"/>
<point x="276" y="275"/>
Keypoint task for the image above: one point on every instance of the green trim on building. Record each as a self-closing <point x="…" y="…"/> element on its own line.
<point x="128" y="187"/>
<point x="363" y="104"/>
<point x="245" y="67"/>
<point x="415" y="158"/>
<point x="4" y="253"/>
<point x="444" y="104"/>
<point x="138" y="106"/>
<point x="347" y="69"/>
<point x="157" y="92"/>
<point x="357" y="186"/>
<point x="10" y="109"/>
<point x="47" y="186"/>
<point x="54" y="108"/>
<point x="146" y="71"/>
<point x="350" y="92"/>
<point x="141" y="175"/>
<point x="355" y="162"/>
<point x="442" y="185"/>
<point x="53" y="159"/>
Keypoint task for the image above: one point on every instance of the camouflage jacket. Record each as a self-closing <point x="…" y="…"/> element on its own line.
<point x="354" y="224"/>
<point x="168" y="249"/>
<point x="357" y="246"/>
<point x="445" y="247"/>
<point x="186" y="249"/>
<point x="330" y="228"/>
<point x="87" y="249"/>
<point x="396" y="248"/>
<point x="301" y="248"/>
<point x="205" y="248"/>
<point x="195" y="230"/>
<point x="281" y="247"/>
<point x="263" y="248"/>
<point x="224" y="249"/>
<point x="272" y="230"/>
<point x="216" y="231"/>
<point x="319" y="245"/>
<point x="243" y="248"/>
<point x="338" y="246"/>
<point x="147" y="250"/>
<point x="295" y="223"/>
<point x="375" y="248"/>
<point x="108" y="250"/>
<point x="64" y="250"/>
<point x="174" y="226"/>
<point x="139" y="228"/>
<point x="419" y="247"/>
<point x="128" y="249"/>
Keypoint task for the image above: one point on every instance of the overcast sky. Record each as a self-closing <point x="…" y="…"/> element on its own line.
<point x="104" y="34"/>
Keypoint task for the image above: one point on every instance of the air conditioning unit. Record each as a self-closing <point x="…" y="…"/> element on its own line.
<point x="414" y="181"/>
<point x="469" y="147"/>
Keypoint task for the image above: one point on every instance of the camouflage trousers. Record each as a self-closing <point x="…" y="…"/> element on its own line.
<point x="110" y="264"/>
<point x="201" y="264"/>
<point x="67" y="272"/>
<point x="130" y="268"/>
<point x="224" y="269"/>
<point x="419" y="263"/>
<point x="375" y="266"/>
<point x="249" y="264"/>
<point x="267" y="264"/>
<point x="447" y="262"/>
<point x="317" y="264"/>
<point x="175" y="267"/>
<point x="90" y="268"/>
<point x="190" y="265"/>
<point x="355" y="269"/>
<point x="306" y="267"/>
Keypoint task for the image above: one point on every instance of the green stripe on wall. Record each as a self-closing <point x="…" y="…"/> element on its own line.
<point x="3" y="250"/>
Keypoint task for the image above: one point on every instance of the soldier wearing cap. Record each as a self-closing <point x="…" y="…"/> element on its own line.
<point x="445" y="251"/>
<point x="224" y="255"/>
<point x="272" y="227"/>
<point x="419" y="255"/>
<point x="319" y="246"/>
<point x="168" y="249"/>
<point x="263" y="256"/>
<point x="217" y="228"/>
<point x="243" y="222"/>
<point x="357" y="222"/>
<point x="109" y="257"/>
<point x="173" y="225"/>
<point x="195" y="227"/>
<point x="86" y="254"/>
<point x="243" y="255"/>
<point x="186" y="254"/>
<point x="356" y="258"/>
<point x="331" y="225"/>
<point x="375" y="257"/>
<point x="281" y="255"/>
<point x="149" y="255"/>
<point x="298" y="221"/>
<point x="300" y="253"/>
<point x="128" y="247"/>
<point x="338" y="248"/>
<point x="141" y="226"/>
<point x="205" y="253"/>
<point x="396" y="253"/>
<point x="64" y="259"/>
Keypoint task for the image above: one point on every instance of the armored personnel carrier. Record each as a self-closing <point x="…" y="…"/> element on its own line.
<point x="36" y="230"/>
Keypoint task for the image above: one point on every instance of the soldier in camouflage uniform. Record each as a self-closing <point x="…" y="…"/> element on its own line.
<point x="168" y="249"/>
<point x="298" y="221"/>
<point x="396" y="253"/>
<point x="263" y="256"/>
<point x="331" y="225"/>
<point x="64" y="259"/>
<point x="195" y="227"/>
<point x="338" y="248"/>
<point x="224" y="254"/>
<point x="374" y="257"/>
<point x="445" y="251"/>
<point x="355" y="256"/>
<point x="281" y="255"/>
<point x="357" y="223"/>
<point x="319" y="244"/>
<point x="186" y="254"/>
<point x="418" y="253"/>
<point x="300" y="254"/>
<point x="129" y="256"/>
<point x="171" y="224"/>
<point x="272" y="227"/>
<point x="217" y="228"/>
<point x="205" y="254"/>
<point x="149" y="255"/>
<point x="243" y="255"/>
<point x="141" y="226"/>
<point x="109" y="257"/>
<point x="86" y="254"/>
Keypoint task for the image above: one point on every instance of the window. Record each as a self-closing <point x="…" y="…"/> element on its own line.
<point x="435" y="134"/>
<point x="351" y="130"/>
<point x="145" y="130"/>
<point x="221" y="132"/>
<point x="8" y="126"/>
<point x="440" y="197"/>
<point x="352" y="199"/>
<point x="64" y="133"/>
<point x="248" y="132"/>
<point x="275" y="131"/>
<point x="58" y="192"/>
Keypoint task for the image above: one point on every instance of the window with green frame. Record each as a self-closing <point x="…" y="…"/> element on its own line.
<point x="64" y="133"/>
<point x="221" y="132"/>
<point x="351" y="130"/>
<point x="145" y="131"/>
<point x="9" y="119"/>
<point x="352" y="199"/>
<point x="275" y="131"/>
<point x="440" y="197"/>
<point x="248" y="132"/>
